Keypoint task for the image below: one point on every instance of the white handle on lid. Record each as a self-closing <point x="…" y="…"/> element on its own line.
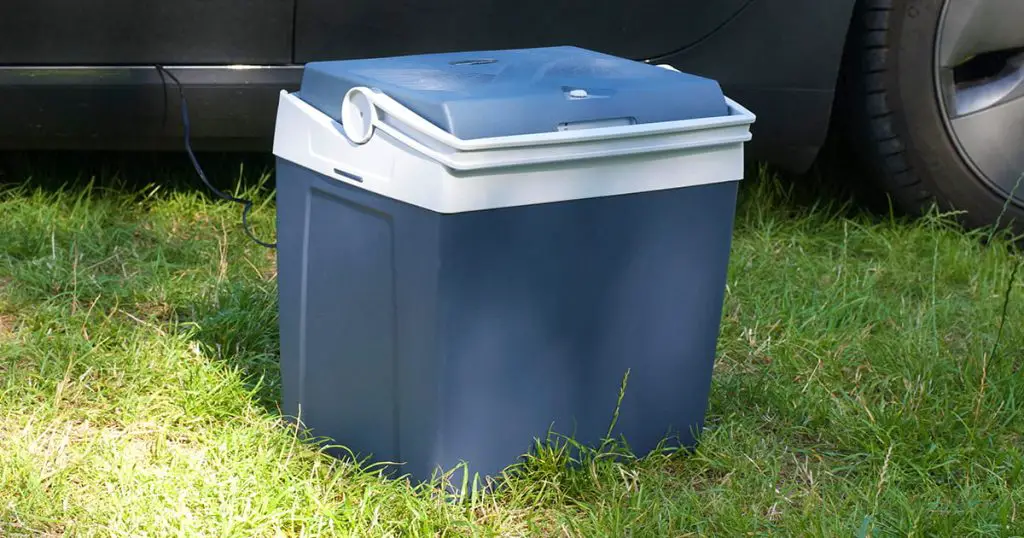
<point x="364" y="110"/>
<point x="361" y="105"/>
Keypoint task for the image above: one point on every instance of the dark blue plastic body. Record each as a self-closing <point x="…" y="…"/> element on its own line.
<point x="431" y="339"/>
<point x="511" y="92"/>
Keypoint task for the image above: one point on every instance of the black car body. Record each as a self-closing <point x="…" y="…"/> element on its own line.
<point x="927" y="94"/>
<point x="81" y="75"/>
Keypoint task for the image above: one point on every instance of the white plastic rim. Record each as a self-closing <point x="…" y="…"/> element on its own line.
<point x="385" y="148"/>
<point x="401" y="161"/>
<point x="358" y="115"/>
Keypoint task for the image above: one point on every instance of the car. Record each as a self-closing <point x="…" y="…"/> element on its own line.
<point x="928" y="95"/>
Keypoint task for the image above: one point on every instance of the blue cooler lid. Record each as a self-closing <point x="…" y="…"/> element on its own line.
<point x="513" y="92"/>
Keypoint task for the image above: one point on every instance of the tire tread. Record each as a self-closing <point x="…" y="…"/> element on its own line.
<point x="873" y="21"/>
<point x="888" y="126"/>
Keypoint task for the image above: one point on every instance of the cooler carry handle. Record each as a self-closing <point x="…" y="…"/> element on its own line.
<point x="363" y="110"/>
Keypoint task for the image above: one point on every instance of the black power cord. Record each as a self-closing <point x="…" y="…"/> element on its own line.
<point x="246" y="204"/>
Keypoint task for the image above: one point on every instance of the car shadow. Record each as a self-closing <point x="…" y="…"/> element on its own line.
<point x="239" y="328"/>
<point x="235" y="322"/>
<point x="132" y="171"/>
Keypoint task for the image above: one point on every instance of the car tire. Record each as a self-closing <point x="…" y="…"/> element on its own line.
<point x="893" y="112"/>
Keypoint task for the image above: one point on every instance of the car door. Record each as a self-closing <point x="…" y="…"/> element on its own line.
<point x="132" y="32"/>
<point x="640" y="29"/>
<point x="80" y="74"/>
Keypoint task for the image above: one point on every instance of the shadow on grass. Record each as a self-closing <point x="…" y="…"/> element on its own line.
<point x="236" y="320"/>
<point x="130" y="171"/>
<point x="240" y="328"/>
<point x="239" y="324"/>
<point x="832" y="185"/>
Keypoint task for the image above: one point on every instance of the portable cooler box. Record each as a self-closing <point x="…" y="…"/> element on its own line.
<point x="474" y="249"/>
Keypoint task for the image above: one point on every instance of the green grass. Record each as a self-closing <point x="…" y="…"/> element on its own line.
<point x="859" y="388"/>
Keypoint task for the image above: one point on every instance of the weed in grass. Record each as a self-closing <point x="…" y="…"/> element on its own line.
<point x="867" y="383"/>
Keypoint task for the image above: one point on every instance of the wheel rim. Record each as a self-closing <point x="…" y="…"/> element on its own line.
<point x="979" y="74"/>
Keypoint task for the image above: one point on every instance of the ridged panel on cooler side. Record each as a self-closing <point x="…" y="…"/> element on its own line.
<point x="428" y="339"/>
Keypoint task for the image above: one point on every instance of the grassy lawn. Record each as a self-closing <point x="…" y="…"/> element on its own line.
<point x="861" y="388"/>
